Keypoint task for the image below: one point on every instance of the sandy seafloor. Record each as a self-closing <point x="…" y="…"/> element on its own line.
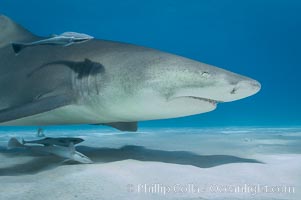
<point x="186" y="163"/>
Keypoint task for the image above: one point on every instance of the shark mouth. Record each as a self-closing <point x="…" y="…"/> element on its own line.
<point x="211" y="101"/>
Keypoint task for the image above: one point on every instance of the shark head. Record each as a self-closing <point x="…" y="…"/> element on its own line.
<point x="150" y="84"/>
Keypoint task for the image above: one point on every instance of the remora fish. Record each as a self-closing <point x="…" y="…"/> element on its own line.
<point x="68" y="153"/>
<point x="65" y="39"/>
<point x="61" y="141"/>
<point x="105" y="82"/>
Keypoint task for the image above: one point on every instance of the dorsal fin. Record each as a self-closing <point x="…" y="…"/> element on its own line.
<point x="12" y="32"/>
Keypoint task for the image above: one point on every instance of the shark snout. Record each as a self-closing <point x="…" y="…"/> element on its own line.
<point x="242" y="89"/>
<point x="222" y="90"/>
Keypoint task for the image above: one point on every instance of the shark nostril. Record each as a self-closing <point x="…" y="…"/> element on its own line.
<point x="233" y="91"/>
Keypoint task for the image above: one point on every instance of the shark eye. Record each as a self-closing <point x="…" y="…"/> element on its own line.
<point x="205" y="74"/>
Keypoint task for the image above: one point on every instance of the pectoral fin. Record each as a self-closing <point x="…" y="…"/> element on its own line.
<point x="35" y="107"/>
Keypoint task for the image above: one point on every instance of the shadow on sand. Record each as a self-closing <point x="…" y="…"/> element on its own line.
<point x="104" y="155"/>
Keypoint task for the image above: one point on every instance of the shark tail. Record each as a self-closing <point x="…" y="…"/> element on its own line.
<point x="17" y="47"/>
<point x="14" y="143"/>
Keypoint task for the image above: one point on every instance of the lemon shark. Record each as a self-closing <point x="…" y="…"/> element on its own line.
<point x="106" y="83"/>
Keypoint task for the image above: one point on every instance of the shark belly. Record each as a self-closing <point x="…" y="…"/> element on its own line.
<point x="92" y="114"/>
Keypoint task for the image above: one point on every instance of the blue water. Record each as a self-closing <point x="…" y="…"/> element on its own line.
<point x="260" y="39"/>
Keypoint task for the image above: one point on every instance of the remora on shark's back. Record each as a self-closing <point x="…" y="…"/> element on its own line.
<point x="65" y="39"/>
<point x="105" y="82"/>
